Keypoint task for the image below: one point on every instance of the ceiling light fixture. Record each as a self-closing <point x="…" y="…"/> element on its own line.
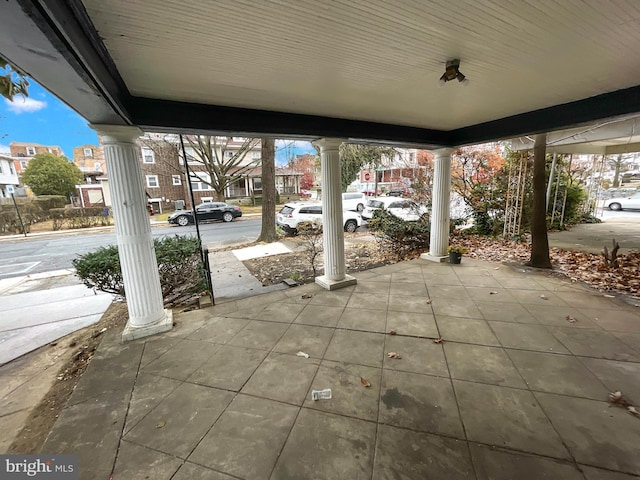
<point x="452" y="72"/>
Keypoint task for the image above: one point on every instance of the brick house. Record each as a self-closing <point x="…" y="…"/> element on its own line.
<point x="163" y="173"/>
<point x="90" y="158"/>
<point x="22" y="152"/>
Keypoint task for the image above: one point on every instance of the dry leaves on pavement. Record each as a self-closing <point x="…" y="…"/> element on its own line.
<point x="365" y="383"/>
<point x="394" y="355"/>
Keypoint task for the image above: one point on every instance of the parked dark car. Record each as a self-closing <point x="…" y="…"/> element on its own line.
<point x="206" y="212"/>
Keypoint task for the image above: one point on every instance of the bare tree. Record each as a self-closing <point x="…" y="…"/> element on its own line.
<point x="539" y="240"/>
<point x="268" y="232"/>
<point x="617" y="163"/>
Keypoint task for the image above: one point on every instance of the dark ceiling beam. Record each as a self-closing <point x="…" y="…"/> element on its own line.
<point x="179" y="117"/>
<point x="558" y="117"/>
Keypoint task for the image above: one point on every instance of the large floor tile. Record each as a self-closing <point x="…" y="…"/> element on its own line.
<point x="323" y="446"/>
<point x="448" y="291"/>
<point x="431" y="279"/>
<point x="593" y="473"/>
<point x="305" y="338"/>
<point x="229" y="368"/>
<point x="419" y="355"/>
<point x="455" y="307"/>
<point x="406" y="276"/>
<point x="491" y="295"/>
<point x="494" y="464"/>
<point x="560" y="316"/>
<point x="466" y="330"/>
<point x="219" y="329"/>
<point x="338" y="298"/>
<point x="363" y="348"/>
<point x="363" y="319"/>
<point x="280" y="312"/>
<point x="369" y="286"/>
<point x="417" y="289"/>
<point x="319" y="315"/>
<point x="174" y="429"/>
<point x="191" y="471"/>
<point x="498" y="313"/>
<point x="563" y="374"/>
<point x="535" y="297"/>
<point x="519" y="283"/>
<point x="506" y="417"/>
<point x="479" y="281"/>
<point x="140" y="463"/>
<point x="630" y="339"/>
<point x="615" y="319"/>
<point x="282" y="377"/>
<point x="482" y="364"/>
<point x="597" y="433"/>
<point x="414" y="324"/>
<point x="407" y="455"/>
<point x="249" y="427"/>
<point x="148" y="392"/>
<point x="419" y="402"/>
<point x="526" y="337"/>
<point x="622" y="376"/>
<point x="409" y="303"/>
<point x="594" y="343"/>
<point x="259" y="334"/>
<point x="183" y="359"/>
<point x="370" y="301"/>
<point x="349" y="396"/>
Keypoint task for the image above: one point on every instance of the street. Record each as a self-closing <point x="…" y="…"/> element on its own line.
<point x="45" y="253"/>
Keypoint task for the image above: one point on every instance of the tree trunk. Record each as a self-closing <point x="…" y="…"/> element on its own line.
<point x="268" y="232"/>
<point x="616" y="175"/>
<point x="220" y="197"/>
<point x="539" y="240"/>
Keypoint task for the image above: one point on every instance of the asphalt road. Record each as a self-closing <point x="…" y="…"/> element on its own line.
<point x="54" y="252"/>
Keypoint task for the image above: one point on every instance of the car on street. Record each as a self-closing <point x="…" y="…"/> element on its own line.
<point x="403" y="208"/>
<point x="206" y="212"/>
<point x="353" y="201"/>
<point x="631" y="202"/>
<point x="293" y="213"/>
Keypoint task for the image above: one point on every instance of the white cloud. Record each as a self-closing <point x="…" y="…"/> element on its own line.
<point x="21" y="105"/>
<point x="4" y="148"/>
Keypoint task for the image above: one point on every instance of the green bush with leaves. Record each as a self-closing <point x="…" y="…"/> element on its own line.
<point x="398" y="236"/>
<point x="179" y="265"/>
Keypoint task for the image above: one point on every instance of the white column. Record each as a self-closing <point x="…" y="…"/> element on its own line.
<point x="332" y="222"/>
<point x="147" y="315"/>
<point x="439" y="237"/>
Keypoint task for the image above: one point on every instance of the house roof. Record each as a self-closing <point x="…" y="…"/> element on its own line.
<point x="364" y="70"/>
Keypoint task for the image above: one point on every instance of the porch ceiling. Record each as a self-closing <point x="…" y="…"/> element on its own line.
<point x="360" y="69"/>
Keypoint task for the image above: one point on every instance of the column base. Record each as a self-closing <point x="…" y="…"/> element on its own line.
<point x="164" y="325"/>
<point x="432" y="258"/>
<point x="324" y="282"/>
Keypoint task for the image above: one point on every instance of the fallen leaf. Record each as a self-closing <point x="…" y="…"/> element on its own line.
<point x="544" y="297"/>
<point x="438" y="340"/>
<point x="392" y="332"/>
<point x="633" y="410"/>
<point x="394" y="355"/>
<point x="307" y="296"/>
<point x="615" y="397"/>
<point x="609" y="296"/>
<point x="570" y="319"/>
<point x="364" y="382"/>
<point x="493" y="293"/>
<point x="429" y="301"/>
<point x="497" y="268"/>
<point x="161" y="424"/>
<point x="302" y="354"/>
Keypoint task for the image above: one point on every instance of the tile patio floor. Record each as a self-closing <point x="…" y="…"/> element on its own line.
<point x="515" y="390"/>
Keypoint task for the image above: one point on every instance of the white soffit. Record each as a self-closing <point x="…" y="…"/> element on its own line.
<point x="373" y="60"/>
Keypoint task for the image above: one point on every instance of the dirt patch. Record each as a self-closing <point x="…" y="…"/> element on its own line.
<point x="296" y="265"/>
<point x="82" y="345"/>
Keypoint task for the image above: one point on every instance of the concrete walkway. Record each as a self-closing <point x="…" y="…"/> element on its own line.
<point x="40" y="308"/>
<point x="517" y="389"/>
<point x="593" y="237"/>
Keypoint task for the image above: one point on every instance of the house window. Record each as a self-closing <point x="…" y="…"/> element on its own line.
<point x="199" y="181"/>
<point x="148" y="156"/>
<point x="176" y="180"/>
<point x="97" y="167"/>
<point x="152" y="181"/>
<point x="88" y="152"/>
<point x="23" y="164"/>
<point x="1" y="170"/>
<point x="228" y="154"/>
<point x="191" y="155"/>
<point x="255" y="155"/>
<point x="31" y="151"/>
<point x="12" y="170"/>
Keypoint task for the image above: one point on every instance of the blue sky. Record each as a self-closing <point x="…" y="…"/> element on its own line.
<point x="43" y="119"/>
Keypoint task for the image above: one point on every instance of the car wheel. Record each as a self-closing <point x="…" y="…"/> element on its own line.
<point x="360" y="207"/>
<point x="183" y="221"/>
<point x="615" y="206"/>
<point x="227" y="217"/>
<point x="350" y="226"/>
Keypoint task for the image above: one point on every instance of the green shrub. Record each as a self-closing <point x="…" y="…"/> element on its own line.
<point x="398" y="236"/>
<point x="79" y="217"/>
<point x="179" y="265"/>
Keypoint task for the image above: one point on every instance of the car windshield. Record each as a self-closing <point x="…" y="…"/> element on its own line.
<point x="375" y="204"/>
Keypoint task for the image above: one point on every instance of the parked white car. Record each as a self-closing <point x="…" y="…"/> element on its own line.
<point x="623" y="203"/>
<point x="403" y="208"/>
<point x="354" y="201"/>
<point x="293" y="213"/>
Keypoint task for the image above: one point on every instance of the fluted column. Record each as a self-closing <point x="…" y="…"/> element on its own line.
<point x="147" y="315"/>
<point x="332" y="221"/>
<point x="439" y="236"/>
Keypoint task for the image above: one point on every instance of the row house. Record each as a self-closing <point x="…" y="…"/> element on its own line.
<point x="23" y="152"/>
<point x="90" y="159"/>
<point x="8" y="176"/>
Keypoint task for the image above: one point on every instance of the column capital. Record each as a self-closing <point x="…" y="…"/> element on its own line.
<point x="443" y="152"/>
<point x="112" y="134"/>
<point x="329" y="143"/>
